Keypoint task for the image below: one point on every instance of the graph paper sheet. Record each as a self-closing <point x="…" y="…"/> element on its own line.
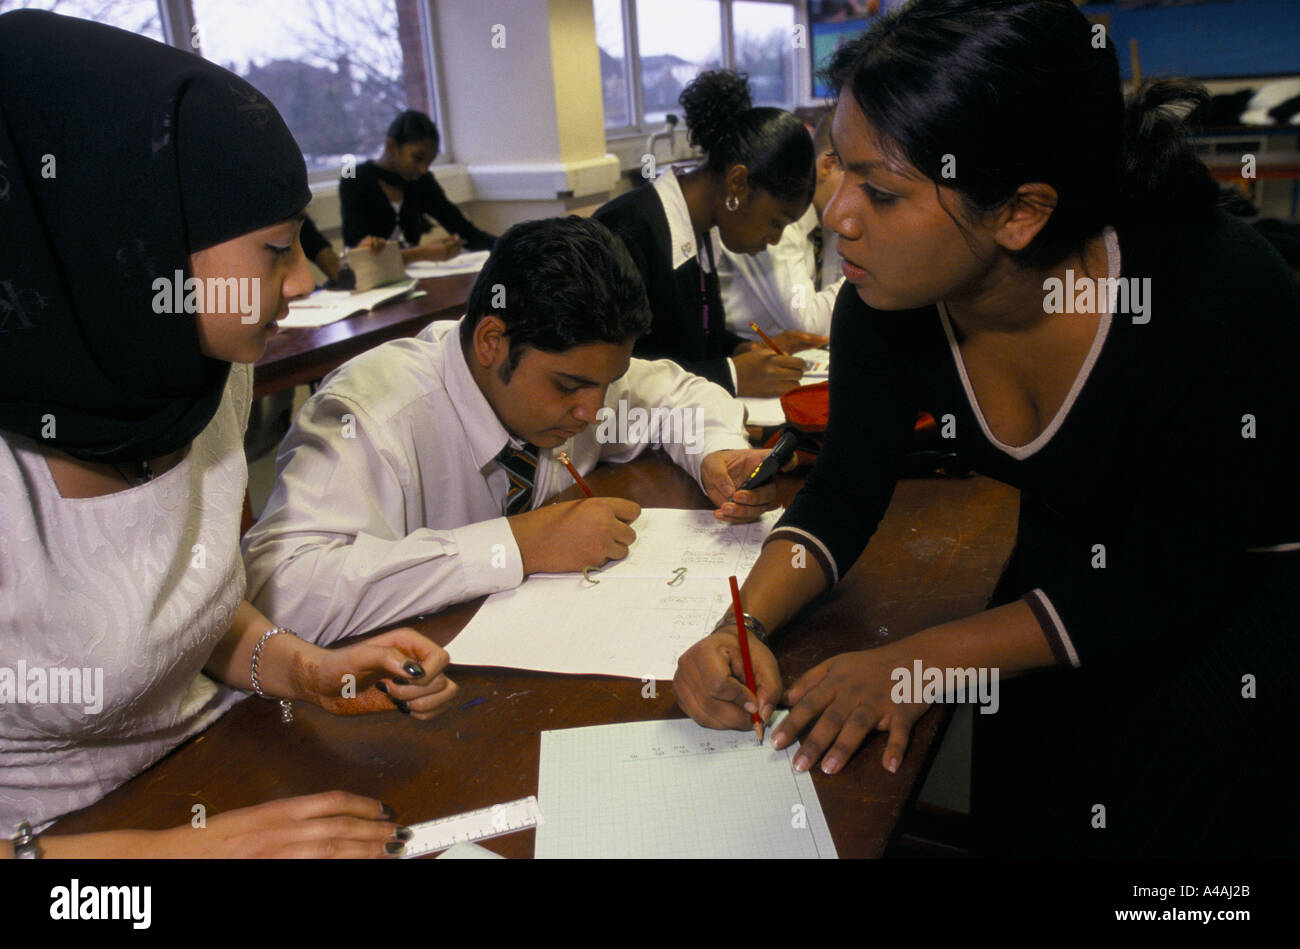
<point x="674" y="789"/>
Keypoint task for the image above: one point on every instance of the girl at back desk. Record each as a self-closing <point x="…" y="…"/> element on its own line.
<point x="393" y="197"/>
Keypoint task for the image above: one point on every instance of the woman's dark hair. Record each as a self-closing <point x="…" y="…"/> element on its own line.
<point x="413" y="126"/>
<point x="558" y="283"/>
<point x="1005" y="92"/>
<point x="772" y="144"/>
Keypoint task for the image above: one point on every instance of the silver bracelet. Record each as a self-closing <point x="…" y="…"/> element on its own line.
<point x="286" y="706"/>
<point x="26" y="844"/>
<point x="752" y="623"/>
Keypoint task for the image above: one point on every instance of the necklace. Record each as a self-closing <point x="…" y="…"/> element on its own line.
<point x="142" y="473"/>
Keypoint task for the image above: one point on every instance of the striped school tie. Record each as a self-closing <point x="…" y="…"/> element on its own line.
<point x="521" y="469"/>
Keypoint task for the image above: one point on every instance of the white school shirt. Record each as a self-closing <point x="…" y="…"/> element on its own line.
<point x="388" y="494"/>
<point x="764" y="287"/>
<point x="141" y="585"/>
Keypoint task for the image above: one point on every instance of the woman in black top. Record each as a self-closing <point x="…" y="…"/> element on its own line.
<point x="757" y="178"/>
<point x="395" y="196"/>
<point x="1152" y="437"/>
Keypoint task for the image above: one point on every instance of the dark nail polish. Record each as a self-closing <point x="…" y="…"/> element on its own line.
<point x="387" y="813"/>
<point x="413" y="669"/>
<point x="394" y="847"/>
<point x="398" y="680"/>
<point x="402" y="706"/>
<point x="382" y="687"/>
<point x="404" y="833"/>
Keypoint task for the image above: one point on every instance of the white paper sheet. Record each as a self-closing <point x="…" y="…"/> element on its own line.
<point x="469" y="262"/>
<point x="674" y="789"/>
<point x="762" y="412"/>
<point x="819" y="364"/>
<point x="632" y="628"/>
<point x="668" y="538"/>
<point x="631" y="622"/>
<point x="329" y="306"/>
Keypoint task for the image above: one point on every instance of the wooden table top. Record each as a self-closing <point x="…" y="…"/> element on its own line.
<point x="936" y="556"/>
<point x="298" y="355"/>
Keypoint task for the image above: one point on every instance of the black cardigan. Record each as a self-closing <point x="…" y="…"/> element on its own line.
<point x="678" y="331"/>
<point x="366" y="211"/>
<point x="1157" y="463"/>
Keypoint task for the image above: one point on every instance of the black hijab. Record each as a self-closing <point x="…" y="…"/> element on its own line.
<point x="119" y="157"/>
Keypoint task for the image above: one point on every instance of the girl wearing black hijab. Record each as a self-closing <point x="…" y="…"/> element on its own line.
<point x="137" y="265"/>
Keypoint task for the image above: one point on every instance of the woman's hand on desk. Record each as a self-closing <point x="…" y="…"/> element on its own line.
<point x="761" y="373"/>
<point x="332" y="824"/>
<point x="849" y="697"/>
<point x="710" y="681"/>
<point x="398" y="669"/>
<point x="722" y="471"/>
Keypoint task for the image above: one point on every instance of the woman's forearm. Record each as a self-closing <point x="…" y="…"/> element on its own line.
<point x="284" y="666"/>
<point x="781" y="583"/>
<point x="1008" y="638"/>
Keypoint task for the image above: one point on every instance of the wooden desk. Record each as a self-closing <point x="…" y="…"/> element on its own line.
<point x="936" y="556"/>
<point x="304" y="354"/>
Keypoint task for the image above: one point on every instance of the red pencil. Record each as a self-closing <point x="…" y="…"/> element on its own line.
<point x="564" y="460"/>
<point x="767" y="339"/>
<point x="743" y="635"/>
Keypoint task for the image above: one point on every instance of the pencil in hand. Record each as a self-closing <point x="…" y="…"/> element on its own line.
<point x="573" y="472"/>
<point x="767" y="339"/>
<point x="742" y="633"/>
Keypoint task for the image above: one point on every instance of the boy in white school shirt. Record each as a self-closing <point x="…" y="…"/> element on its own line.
<point x="394" y="483"/>
<point x="787" y="288"/>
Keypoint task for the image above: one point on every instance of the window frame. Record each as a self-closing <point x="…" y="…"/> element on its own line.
<point x="178" y="26"/>
<point x="634" y="92"/>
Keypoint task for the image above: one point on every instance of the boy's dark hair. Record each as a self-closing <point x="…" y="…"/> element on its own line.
<point x="413" y="126"/>
<point x="557" y="283"/>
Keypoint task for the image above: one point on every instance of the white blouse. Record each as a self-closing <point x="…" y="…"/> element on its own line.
<point x="109" y="609"/>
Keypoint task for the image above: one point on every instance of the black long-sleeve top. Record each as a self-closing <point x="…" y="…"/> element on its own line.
<point x="1173" y="458"/>
<point x="678" y="330"/>
<point x="367" y="211"/>
<point x="313" y="241"/>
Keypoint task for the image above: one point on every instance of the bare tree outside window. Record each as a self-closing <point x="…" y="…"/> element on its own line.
<point x="338" y="72"/>
<point x="135" y="16"/>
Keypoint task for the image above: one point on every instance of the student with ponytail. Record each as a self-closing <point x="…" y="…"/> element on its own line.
<point x="1045" y="263"/>
<point x="757" y="177"/>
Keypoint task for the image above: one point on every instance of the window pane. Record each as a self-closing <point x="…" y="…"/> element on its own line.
<point x="763" y="36"/>
<point x="137" y="16"/>
<point x="677" y="39"/>
<point x="338" y="73"/>
<point x="613" y="69"/>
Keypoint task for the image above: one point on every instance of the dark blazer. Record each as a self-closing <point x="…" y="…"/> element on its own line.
<point x="366" y="211"/>
<point x="677" y="331"/>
